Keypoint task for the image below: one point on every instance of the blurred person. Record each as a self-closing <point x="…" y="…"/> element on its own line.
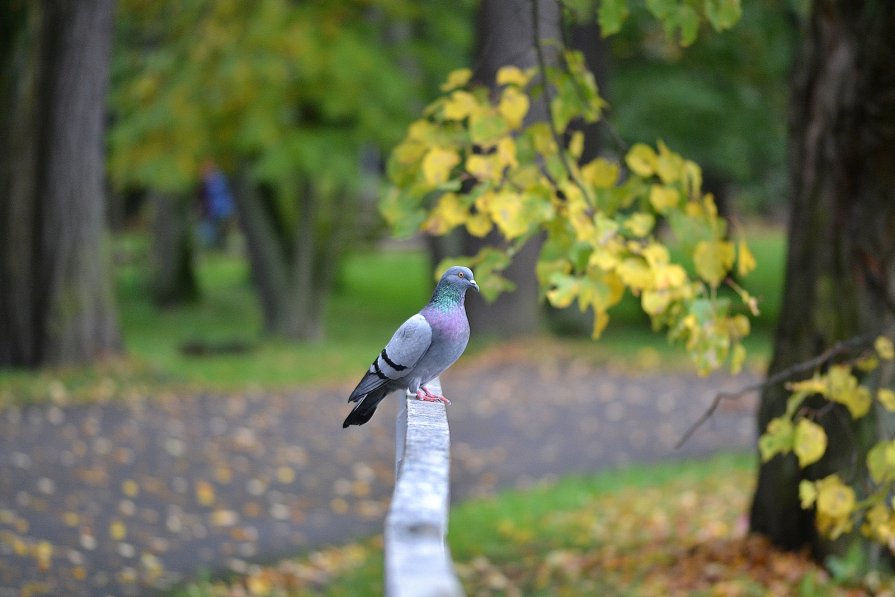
<point x="216" y="204"/>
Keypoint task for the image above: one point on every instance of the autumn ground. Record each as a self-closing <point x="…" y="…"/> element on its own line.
<point x="674" y="530"/>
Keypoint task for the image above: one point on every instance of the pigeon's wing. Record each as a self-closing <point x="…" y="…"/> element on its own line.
<point x="397" y="359"/>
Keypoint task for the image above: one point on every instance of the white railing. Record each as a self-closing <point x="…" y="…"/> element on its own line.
<point x="417" y="560"/>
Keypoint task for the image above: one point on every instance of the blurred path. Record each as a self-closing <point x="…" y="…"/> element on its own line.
<point x="112" y="499"/>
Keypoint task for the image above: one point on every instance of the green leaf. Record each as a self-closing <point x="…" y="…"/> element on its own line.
<point x="778" y="439"/>
<point x="723" y="14"/>
<point x="881" y="462"/>
<point x="487" y="128"/>
<point x="564" y="290"/>
<point x="611" y="14"/>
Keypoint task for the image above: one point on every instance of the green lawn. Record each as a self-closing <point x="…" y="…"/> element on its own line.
<point x="376" y="291"/>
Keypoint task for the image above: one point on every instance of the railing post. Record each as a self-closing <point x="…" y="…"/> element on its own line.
<point x="417" y="559"/>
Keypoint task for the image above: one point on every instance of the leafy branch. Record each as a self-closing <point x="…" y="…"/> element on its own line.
<point x="843" y="347"/>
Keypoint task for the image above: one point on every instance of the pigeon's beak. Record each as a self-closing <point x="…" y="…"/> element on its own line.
<point x="474" y="285"/>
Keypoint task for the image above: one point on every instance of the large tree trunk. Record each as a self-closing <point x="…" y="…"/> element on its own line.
<point x="56" y="285"/>
<point x="506" y="35"/>
<point x="841" y="262"/>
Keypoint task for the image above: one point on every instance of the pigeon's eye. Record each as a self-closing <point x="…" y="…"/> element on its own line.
<point x="460" y="274"/>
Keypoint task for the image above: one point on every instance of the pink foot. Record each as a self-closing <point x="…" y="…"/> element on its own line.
<point x="426" y="395"/>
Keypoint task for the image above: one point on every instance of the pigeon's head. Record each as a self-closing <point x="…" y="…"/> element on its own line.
<point x="459" y="277"/>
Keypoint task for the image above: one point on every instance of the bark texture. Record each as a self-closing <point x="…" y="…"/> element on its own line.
<point x="841" y="260"/>
<point x="55" y="289"/>
<point x="506" y="35"/>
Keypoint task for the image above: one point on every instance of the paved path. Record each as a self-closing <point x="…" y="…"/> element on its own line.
<point x="114" y="499"/>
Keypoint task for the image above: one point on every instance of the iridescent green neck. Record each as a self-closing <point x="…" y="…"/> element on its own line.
<point x="447" y="296"/>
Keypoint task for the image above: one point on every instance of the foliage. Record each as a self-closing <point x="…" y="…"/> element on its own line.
<point x="296" y="88"/>
<point x="722" y="102"/>
<point x="474" y="160"/>
<point x="841" y="506"/>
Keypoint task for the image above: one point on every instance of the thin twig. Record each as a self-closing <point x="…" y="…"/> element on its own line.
<point x="780" y="376"/>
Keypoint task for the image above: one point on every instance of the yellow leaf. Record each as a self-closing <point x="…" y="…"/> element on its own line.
<point x="576" y="145"/>
<point x="513" y="106"/>
<point x="884" y="348"/>
<point x="693" y="179"/>
<point x="813" y="385"/>
<point x="513" y="75"/>
<point x="713" y="259"/>
<point x="745" y="260"/>
<point x="478" y="225"/>
<point x="485" y="167"/>
<point x="886" y="397"/>
<point x="130" y="488"/>
<point x="669" y="275"/>
<point x="506" y="152"/>
<point x="810" y="442"/>
<point x="600" y="173"/>
<point x="447" y="214"/>
<point x="601" y="320"/>
<point x="635" y="273"/>
<point x="43" y="553"/>
<point x="437" y="165"/>
<point x="506" y="211"/>
<point x="669" y="165"/>
<point x="205" y="493"/>
<point x="807" y="493"/>
<point x="457" y="78"/>
<point x="881" y="461"/>
<point x="655" y="301"/>
<point x="460" y="105"/>
<point x="640" y="224"/>
<point x="117" y="530"/>
<point x="564" y="290"/>
<point x="663" y="198"/>
<point x="641" y="159"/>
<point x="655" y="254"/>
<point x="834" y="498"/>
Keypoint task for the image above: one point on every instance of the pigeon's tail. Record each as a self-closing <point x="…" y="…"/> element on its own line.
<point x="365" y="407"/>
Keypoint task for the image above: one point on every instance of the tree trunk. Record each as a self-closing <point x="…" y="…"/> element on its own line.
<point x="292" y="270"/>
<point x="270" y="270"/>
<point x="59" y="294"/>
<point x="506" y="36"/>
<point x="841" y="261"/>
<point x="19" y="70"/>
<point x="173" y="272"/>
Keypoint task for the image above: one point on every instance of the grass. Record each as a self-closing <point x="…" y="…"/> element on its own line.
<point x="375" y="292"/>
<point x="664" y="529"/>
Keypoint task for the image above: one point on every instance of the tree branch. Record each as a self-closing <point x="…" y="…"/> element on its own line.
<point x="542" y="67"/>
<point x="844" y="346"/>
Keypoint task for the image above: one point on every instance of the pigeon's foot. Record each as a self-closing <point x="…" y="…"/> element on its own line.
<point x="426" y="395"/>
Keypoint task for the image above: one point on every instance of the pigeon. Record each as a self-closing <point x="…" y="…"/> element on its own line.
<point x="420" y="350"/>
